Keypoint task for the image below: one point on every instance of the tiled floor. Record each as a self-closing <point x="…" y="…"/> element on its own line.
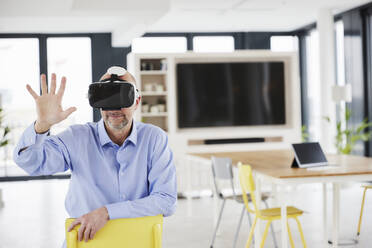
<point x="34" y="214"/>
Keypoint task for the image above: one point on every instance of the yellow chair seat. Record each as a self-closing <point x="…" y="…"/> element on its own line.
<point x="276" y="212"/>
<point x="142" y="232"/>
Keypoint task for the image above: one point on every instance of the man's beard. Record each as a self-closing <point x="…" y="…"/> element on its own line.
<point x="119" y="126"/>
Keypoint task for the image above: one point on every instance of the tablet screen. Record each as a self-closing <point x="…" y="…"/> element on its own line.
<point x="309" y="153"/>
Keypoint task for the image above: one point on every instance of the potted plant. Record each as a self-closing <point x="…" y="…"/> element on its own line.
<point x="4" y="141"/>
<point x="346" y="137"/>
<point x="4" y="131"/>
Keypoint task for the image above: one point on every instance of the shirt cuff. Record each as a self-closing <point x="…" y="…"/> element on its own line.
<point x="30" y="137"/>
<point x="119" y="210"/>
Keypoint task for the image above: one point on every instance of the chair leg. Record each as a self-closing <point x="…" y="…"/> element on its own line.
<point x="301" y="232"/>
<point x="251" y="233"/>
<point x="250" y="224"/>
<point x="238" y="229"/>
<point x="290" y="235"/>
<point x="361" y="211"/>
<point x="218" y="222"/>
<point x="272" y="229"/>
<point x="265" y="233"/>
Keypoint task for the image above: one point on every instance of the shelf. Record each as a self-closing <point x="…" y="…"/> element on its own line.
<point x="154" y="93"/>
<point x="154" y="72"/>
<point x="162" y="114"/>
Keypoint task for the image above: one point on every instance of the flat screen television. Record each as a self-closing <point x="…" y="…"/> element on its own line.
<point x="230" y="94"/>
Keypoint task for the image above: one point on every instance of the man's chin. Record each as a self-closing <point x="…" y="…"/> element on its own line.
<point x="118" y="126"/>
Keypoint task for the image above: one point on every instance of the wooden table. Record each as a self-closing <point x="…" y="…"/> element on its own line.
<point x="275" y="167"/>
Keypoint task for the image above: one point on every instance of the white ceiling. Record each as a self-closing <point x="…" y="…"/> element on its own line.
<point x="128" y="19"/>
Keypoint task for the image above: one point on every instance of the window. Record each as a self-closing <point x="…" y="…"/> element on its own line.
<point x="313" y="86"/>
<point x="71" y="57"/>
<point x="340" y="53"/>
<point x="284" y="43"/>
<point x="213" y="44"/>
<point x="19" y="65"/>
<point x="159" y="45"/>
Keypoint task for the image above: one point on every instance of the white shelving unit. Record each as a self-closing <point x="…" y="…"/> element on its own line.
<point x="154" y="93"/>
<point x="154" y="72"/>
<point x="152" y="79"/>
<point x="162" y="114"/>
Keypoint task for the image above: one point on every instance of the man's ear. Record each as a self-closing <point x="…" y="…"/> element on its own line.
<point x="137" y="102"/>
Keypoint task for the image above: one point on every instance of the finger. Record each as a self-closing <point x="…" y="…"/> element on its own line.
<point x="81" y="232"/>
<point x="44" y="87"/>
<point x="32" y="92"/>
<point x="73" y="224"/>
<point x="62" y="87"/>
<point x="68" y="111"/>
<point x="53" y="84"/>
<point x="87" y="233"/>
<point x="92" y="233"/>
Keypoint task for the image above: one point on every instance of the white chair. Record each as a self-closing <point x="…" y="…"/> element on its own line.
<point x="222" y="171"/>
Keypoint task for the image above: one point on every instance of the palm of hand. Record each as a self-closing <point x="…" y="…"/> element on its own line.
<point x="50" y="109"/>
<point x="48" y="104"/>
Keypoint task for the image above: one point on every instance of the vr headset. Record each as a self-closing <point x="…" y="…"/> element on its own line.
<point x="113" y="93"/>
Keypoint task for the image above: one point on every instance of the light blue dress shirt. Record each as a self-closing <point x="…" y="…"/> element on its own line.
<point x="132" y="180"/>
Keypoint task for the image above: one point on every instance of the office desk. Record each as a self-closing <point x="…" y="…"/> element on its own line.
<point x="274" y="167"/>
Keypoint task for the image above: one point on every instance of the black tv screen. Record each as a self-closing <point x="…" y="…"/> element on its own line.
<point x="230" y="94"/>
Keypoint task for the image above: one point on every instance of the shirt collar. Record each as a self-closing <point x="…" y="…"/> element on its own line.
<point x="104" y="138"/>
<point x="133" y="134"/>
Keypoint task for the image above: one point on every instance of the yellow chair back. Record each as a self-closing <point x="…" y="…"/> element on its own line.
<point x="142" y="232"/>
<point x="247" y="185"/>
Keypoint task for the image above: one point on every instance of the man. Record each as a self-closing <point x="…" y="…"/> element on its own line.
<point x="119" y="168"/>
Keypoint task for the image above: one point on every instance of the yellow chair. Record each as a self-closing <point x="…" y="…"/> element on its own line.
<point x="361" y="210"/>
<point x="269" y="214"/>
<point x="142" y="232"/>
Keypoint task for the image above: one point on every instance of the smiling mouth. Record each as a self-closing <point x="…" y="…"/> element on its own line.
<point x="114" y="115"/>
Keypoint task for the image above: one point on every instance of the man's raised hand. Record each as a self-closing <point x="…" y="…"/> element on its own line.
<point x="48" y="104"/>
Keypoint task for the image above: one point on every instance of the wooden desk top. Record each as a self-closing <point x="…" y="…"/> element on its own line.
<point x="277" y="163"/>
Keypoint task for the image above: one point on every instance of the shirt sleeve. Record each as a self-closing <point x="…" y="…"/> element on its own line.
<point x="162" y="198"/>
<point x="41" y="154"/>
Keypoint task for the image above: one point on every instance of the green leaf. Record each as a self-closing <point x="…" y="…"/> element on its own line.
<point x="327" y="118"/>
<point x="4" y="143"/>
<point x="338" y="126"/>
<point x="6" y="131"/>
<point x="363" y="126"/>
<point x="347" y="114"/>
<point x="304" y="134"/>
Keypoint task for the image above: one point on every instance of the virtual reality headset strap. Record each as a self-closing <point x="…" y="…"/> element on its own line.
<point x="115" y="78"/>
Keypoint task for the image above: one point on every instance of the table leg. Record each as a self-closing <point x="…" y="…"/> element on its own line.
<point x="336" y="214"/>
<point x="257" y="236"/>
<point x="283" y="205"/>
<point x="325" y="227"/>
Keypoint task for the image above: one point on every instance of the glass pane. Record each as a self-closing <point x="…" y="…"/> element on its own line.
<point x="284" y="43"/>
<point x="213" y="44"/>
<point x="313" y="84"/>
<point x="19" y="65"/>
<point x="159" y="45"/>
<point x="71" y="57"/>
<point x="340" y="53"/>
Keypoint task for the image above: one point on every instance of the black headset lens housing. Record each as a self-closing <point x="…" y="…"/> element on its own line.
<point x="112" y="94"/>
